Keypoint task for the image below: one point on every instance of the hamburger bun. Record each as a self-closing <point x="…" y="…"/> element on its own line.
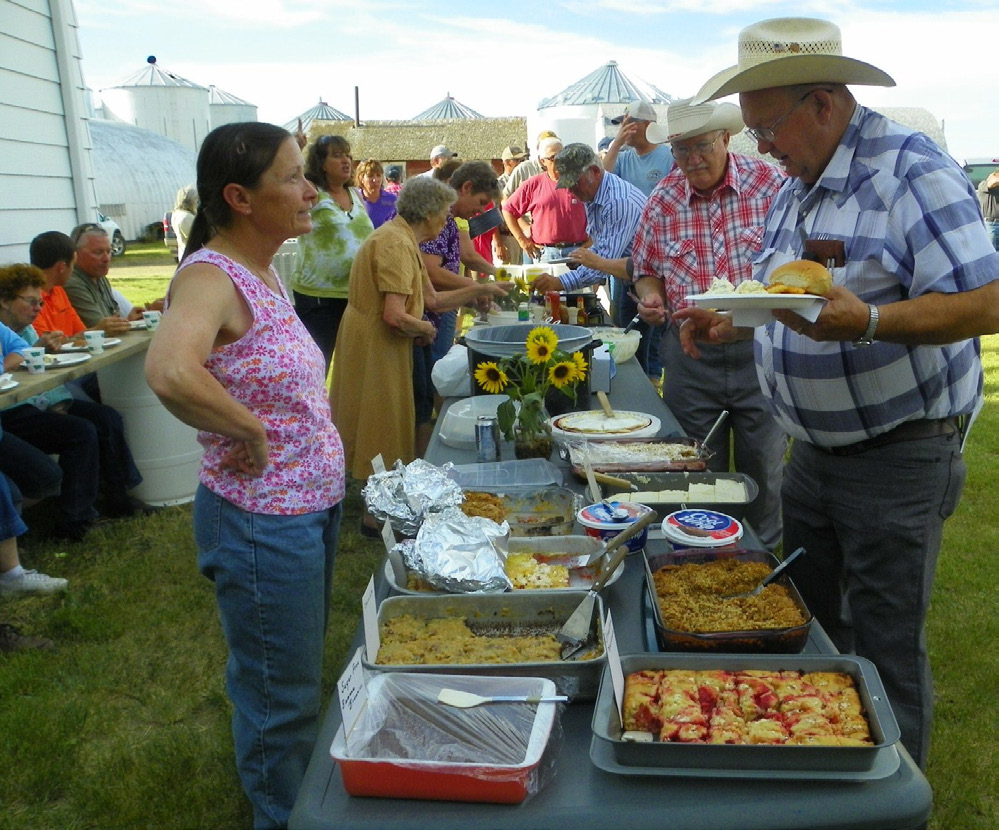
<point x="801" y="276"/>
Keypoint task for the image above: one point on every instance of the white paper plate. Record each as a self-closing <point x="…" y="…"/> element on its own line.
<point x="645" y="425"/>
<point x="755" y="309"/>
<point x="111" y="341"/>
<point x="61" y="361"/>
<point x="137" y="324"/>
<point x="68" y="348"/>
<point x="8" y="384"/>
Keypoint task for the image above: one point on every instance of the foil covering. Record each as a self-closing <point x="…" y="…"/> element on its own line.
<point x="408" y="493"/>
<point x="459" y="553"/>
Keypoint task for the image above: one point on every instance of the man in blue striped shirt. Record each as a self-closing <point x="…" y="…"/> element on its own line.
<point x="613" y="208"/>
<point x="878" y="390"/>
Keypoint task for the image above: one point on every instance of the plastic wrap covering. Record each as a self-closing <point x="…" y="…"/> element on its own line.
<point x="496" y="745"/>
<point x="459" y="553"/>
<point x="406" y="494"/>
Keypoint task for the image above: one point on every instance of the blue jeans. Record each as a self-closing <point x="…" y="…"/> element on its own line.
<point x="993" y="229"/>
<point x="548" y="252"/>
<point x="273" y="576"/>
<point x="35" y="475"/>
<point x="11" y="523"/>
<point x="445" y="335"/>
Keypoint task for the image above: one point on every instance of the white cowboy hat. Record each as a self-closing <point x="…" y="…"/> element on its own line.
<point x="685" y="121"/>
<point x="790" y="50"/>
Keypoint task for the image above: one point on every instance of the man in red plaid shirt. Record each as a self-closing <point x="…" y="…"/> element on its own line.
<point x="705" y="220"/>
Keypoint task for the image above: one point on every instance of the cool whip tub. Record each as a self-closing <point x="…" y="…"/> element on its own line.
<point x="701" y="529"/>
<point x="605" y="520"/>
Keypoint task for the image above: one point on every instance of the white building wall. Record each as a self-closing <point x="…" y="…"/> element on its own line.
<point x="138" y="174"/>
<point x="46" y="177"/>
<point x="179" y="113"/>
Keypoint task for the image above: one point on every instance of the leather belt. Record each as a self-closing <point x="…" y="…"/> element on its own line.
<point x="906" y="431"/>
<point x="561" y="244"/>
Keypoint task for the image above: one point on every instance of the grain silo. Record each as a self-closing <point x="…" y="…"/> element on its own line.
<point x="162" y="102"/>
<point x="226" y="108"/>
<point x="583" y="110"/>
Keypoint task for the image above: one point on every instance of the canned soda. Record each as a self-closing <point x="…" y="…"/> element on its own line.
<point x="487" y="439"/>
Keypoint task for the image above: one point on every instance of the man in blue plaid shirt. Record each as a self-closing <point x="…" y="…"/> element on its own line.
<point x="878" y="391"/>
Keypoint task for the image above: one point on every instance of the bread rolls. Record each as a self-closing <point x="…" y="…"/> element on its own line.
<point x="801" y="276"/>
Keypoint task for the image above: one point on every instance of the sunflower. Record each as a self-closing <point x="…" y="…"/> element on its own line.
<point x="543" y="334"/>
<point x="491" y="378"/>
<point x="538" y="351"/>
<point x="580" y="364"/>
<point x="562" y="374"/>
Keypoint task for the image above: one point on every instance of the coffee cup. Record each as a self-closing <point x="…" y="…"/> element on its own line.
<point x="152" y="319"/>
<point x="95" y="341"/>
<point x="34" y="360"/>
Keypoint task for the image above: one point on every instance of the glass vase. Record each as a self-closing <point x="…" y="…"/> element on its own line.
<point x="532" y="443"/>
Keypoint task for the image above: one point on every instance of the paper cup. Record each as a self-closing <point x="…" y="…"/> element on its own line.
<point x="34" y="360"/>
<point x="95" y="341"/>
<point x="152" y="319"/>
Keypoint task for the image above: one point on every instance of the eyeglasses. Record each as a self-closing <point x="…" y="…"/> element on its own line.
<point x="702" y="148"/>
<point x="34" y="302"/>
<point x="769" y="134"/>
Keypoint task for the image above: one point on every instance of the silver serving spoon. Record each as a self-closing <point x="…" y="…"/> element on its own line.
<point x="770" y="577"/>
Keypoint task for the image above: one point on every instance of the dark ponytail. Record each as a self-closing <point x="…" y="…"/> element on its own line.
<point x="230" y="154"/>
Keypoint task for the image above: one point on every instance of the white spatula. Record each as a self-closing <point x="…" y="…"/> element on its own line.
<point x="466" y="700"/>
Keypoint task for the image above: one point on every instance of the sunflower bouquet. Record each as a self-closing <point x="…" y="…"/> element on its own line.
<point x="527" y="378"/>
<point x="520" y="293"/>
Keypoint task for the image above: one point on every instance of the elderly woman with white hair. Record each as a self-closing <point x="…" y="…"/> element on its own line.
<point x="381" y="393"/>
<point x="185" y="207"/>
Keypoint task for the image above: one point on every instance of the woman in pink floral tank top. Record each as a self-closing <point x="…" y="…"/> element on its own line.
<point x="232" y="359"/>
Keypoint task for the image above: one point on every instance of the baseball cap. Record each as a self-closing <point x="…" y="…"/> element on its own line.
<point x="639" y="111"/>
<point x="513" y="153"/>
<point x="441" y="150"/>
<point x="572" y="161"/>
<point x="604" y="143"/>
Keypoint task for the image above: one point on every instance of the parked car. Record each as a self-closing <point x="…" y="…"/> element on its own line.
<point x="169" y="235"/>
<point x="114" y="234"/>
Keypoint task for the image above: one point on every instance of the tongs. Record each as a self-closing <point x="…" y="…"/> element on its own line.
<point x="576" y="630"/>
<point x="770" y="577"/>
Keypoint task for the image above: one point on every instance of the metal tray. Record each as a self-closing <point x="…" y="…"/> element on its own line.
<point x="612" y="467"/>
<point x="725" y="759"/>
<point x="657" y="482"/>
<point x="771" y="641"/>
<point x="552" y="549"/>
<point x="577" y="678"/>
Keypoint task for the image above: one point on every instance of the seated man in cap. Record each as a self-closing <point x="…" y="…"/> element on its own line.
<point x="877" y="390"/>
<point x="715" y="201"/>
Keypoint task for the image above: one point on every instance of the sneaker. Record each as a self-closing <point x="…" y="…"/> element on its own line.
<point x="11" y="640"/>
<point x="32" y="582"/>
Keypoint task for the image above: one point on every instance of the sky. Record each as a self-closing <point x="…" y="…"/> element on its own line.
<point x="502" y="58"/>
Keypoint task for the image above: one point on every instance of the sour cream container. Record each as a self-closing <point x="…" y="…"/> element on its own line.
<point x="701" y="529"/>
<point x="605" y="520"/>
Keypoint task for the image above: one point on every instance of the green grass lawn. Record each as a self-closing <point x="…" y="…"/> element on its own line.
<point x="126" y="725"/>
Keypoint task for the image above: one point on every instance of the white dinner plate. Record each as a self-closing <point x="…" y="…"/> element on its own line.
<point x="61" y="361"/>
<point x="593" y="425"/>
<point x="755" y="309"/>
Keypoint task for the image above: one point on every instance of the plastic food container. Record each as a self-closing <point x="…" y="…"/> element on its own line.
<point x="701" y="529"/>
<point x="763" y="641"/>
<point x="494" y="752"/>
<point x="600" y="521"/>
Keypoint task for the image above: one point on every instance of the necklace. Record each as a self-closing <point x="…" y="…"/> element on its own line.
<point x="349" y="210"/>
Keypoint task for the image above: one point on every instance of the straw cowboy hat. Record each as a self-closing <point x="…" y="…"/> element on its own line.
<point x="684" y="120"/>
<point x="790" y="50"/>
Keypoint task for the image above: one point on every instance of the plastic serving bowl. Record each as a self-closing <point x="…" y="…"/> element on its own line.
<point x="625" y="345"/>
<point x="602" y="521"/>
